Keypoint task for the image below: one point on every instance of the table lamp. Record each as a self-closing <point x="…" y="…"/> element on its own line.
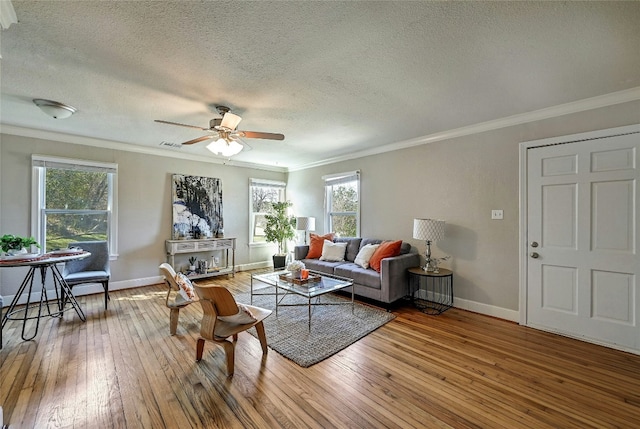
<point x="305" y="224"/>
<point x="430" y="230"/>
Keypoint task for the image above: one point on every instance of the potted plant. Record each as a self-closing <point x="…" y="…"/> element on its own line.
<point x="15" y="245"/>
<point x="279" y="228"/>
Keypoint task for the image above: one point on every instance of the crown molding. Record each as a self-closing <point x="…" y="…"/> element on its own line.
<point x="109" y="144"/>
<point x="628" y="95"/>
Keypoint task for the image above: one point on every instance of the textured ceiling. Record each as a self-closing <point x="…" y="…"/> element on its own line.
<point x="336" y="78"/>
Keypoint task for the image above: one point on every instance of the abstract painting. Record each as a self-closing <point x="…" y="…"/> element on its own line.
<point x="197" y="207"/>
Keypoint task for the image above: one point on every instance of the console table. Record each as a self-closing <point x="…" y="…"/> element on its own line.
<point x="176" y="247"/>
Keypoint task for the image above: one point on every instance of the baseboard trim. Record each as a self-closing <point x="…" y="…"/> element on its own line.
<point x="91" y="288"/>
<point x="486" y="309"/>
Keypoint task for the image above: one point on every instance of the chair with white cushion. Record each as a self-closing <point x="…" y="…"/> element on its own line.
<point x="224" y="318"/>
<point x="174" y="300"/>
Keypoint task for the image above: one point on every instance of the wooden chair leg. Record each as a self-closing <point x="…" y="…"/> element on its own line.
<point x="173" y="320"/>
<point x="261" y="336"/>
<point x="235" y="337"/>
<point x="199" y="349"/>
<point x="229" y="350"/>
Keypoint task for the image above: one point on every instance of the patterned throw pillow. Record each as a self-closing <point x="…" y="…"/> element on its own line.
<point x="186" y="288"/>
<point x="242" y="317"/>
<point x="365" y="254"/>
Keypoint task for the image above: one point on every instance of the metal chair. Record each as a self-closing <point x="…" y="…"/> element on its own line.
<point x="93" y="269"/>
<point x="218" y="301"/>
<point x="174" y="300"/>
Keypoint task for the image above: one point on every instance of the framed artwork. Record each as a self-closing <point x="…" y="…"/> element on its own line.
<point x="197" y="207"/>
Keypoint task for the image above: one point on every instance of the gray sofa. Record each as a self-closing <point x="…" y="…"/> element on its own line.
<point x="387" y="286"/>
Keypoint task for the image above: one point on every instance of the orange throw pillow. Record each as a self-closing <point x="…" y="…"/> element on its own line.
<point x="315" y="244"/>
<point x="386" y="249"/>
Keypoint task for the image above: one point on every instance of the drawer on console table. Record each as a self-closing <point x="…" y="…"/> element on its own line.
<point x="191" y="246"/>
<point x="215" y="244"/>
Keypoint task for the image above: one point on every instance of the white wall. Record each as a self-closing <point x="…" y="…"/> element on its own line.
<point x="458" y="180"/>
<point x="144" y="205"/>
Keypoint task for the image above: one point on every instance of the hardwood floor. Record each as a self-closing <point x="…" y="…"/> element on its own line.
<point x="463" y="370"/>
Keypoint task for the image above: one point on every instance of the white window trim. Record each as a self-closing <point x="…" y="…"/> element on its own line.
<point x="336" y="179"/>
<point x="261" y="182"/>
<point x="37" y="196"/>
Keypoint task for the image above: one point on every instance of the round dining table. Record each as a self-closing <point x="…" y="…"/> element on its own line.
<point x="45" y="307"/>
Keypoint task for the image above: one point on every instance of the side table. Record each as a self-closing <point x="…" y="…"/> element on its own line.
<point x="431" y="292"/>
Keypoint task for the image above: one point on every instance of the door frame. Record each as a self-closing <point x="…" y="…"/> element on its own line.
<point x="523" y="220"/>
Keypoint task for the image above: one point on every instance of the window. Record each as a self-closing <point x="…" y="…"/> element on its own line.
<point x="263" y="194"/>
<point x="342" y="204"/>
<point x="73" y="200"/>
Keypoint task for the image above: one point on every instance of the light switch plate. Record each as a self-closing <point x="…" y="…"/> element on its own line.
<point x="497" y="214"/>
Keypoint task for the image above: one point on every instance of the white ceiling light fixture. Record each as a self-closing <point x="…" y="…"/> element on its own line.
<point x="55" y="109"/>
<point x="224" y="147"/>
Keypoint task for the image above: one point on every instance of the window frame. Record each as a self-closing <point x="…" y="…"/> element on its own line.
<point x="267" y="183"/>
<point x="331" y="180"/>
<point x="39" y="163"/>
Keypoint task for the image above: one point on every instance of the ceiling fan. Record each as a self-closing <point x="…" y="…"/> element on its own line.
<point x="225" y="133"/>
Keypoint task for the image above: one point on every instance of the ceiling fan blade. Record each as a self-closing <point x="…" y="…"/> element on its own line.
<point x="182" y="125"/>
<point x="230" y="120"/>
<point x="199" y="139"/>
<point x="259" y="135"/>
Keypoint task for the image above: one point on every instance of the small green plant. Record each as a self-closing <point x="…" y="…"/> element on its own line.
<point x="280" y="227"/>
<point x="13" y="242"/>
<point x="192" y="260"/>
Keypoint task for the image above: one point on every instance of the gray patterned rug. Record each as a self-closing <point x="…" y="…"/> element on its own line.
<point x="333" y="327"/>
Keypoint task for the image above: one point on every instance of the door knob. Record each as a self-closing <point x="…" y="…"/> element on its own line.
<point x="534" y="244"/>
<point x="534" y="255"/>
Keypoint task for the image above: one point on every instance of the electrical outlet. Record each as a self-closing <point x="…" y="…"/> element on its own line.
<point x="497" y="214"/>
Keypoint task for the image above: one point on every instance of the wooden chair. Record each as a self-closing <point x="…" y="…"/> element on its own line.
<point x="218" y="301"/>
<point x="174" y="300"/>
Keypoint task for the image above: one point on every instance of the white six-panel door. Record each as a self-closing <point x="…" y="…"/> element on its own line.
<point x="582" y="263"/>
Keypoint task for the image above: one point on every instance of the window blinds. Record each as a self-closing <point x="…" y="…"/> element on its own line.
<point x="73" y="164"/>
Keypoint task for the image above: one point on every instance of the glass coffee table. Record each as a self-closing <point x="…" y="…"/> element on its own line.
<point x="319" y="284"/>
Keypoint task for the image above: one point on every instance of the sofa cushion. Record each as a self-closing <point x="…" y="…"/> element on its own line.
<point x="365" y="254"/>
<point x="404" y="248"/>
<point x="315" y="244"/>
<point x="361" y="276"/>
<point x="353" y="247"/>
<point x="322" y="266"/>
<point x="386" y="249"/>
<point x="333" y="251"/>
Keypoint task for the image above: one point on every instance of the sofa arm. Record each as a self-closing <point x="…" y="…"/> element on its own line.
<point x="300" y="252"/>
<point x="394" y="280"/>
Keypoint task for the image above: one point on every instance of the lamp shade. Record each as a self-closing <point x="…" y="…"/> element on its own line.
<point x="306" y="223"/>
<point x="224" y="147"/>
<point x="231" y="121"/>
<point x="428" y="229"/>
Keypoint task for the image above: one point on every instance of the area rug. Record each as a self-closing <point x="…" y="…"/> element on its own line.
<point x="333" y="327"/>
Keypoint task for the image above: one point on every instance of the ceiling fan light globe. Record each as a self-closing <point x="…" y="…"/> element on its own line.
<point x="224" y="148"/>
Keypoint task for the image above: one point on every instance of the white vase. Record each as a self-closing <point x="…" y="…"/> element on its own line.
<point x="296" y="274"/>
<point x="14" y="252"/>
